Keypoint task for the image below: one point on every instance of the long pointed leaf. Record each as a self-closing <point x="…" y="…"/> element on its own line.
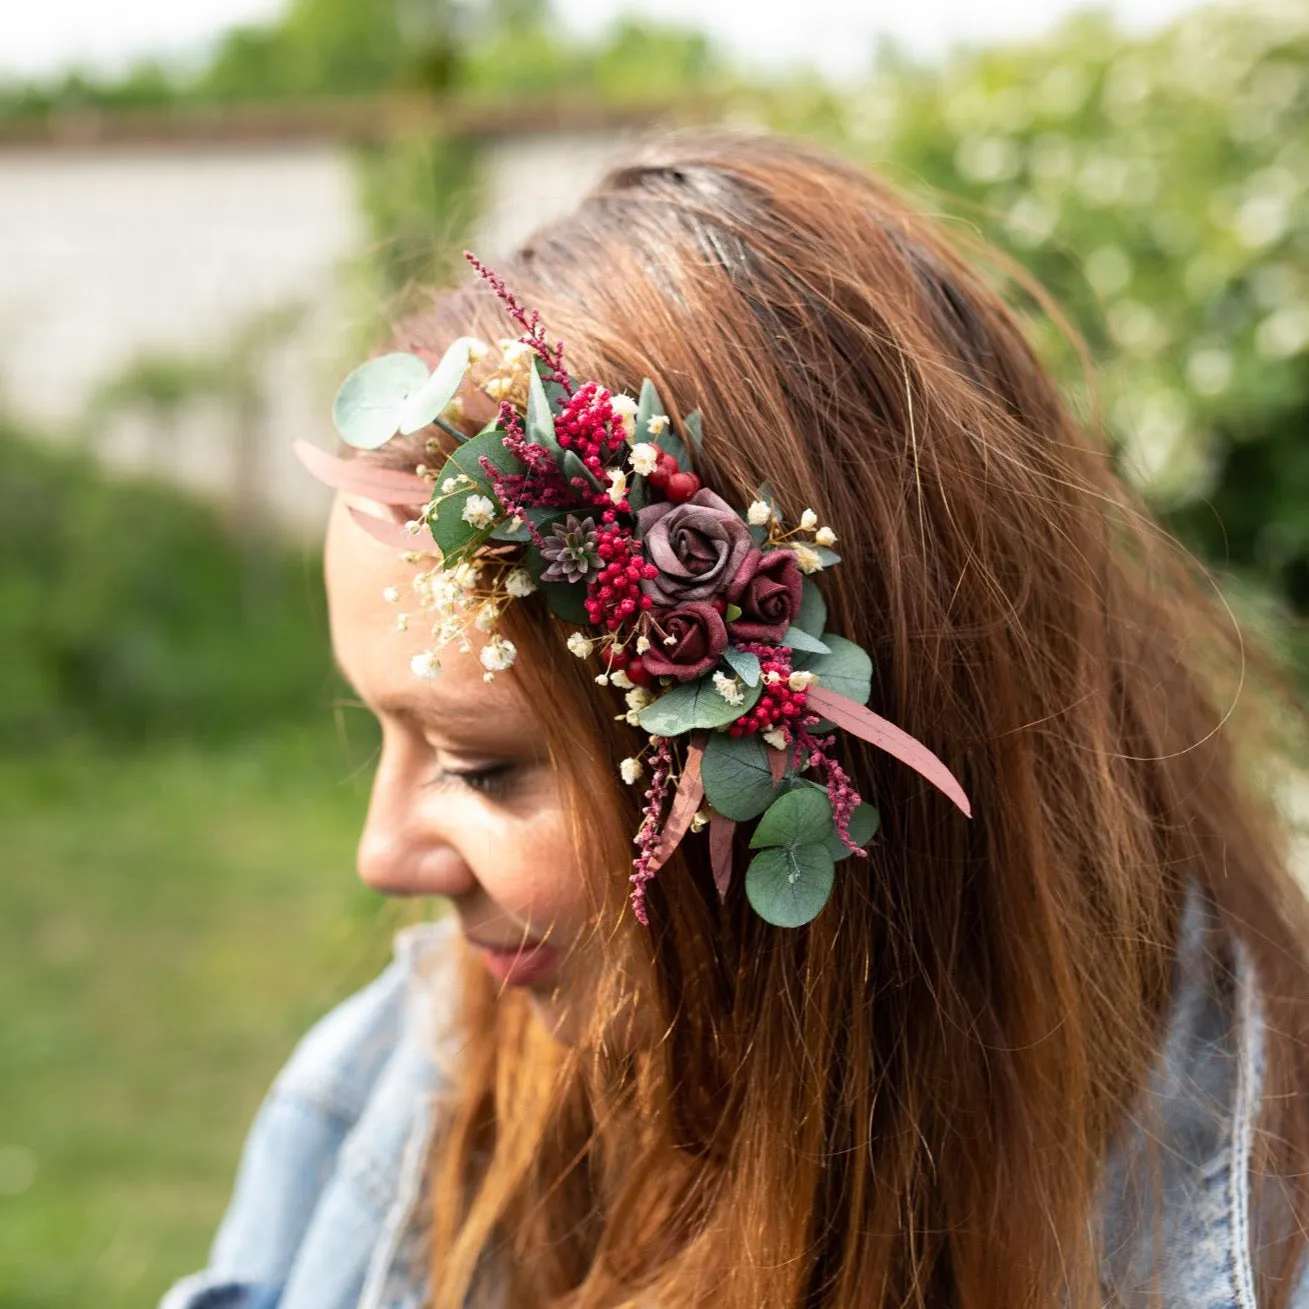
<point x="387" y="486"/>
<point x="389" y="532"/>
<point x="686" y="803"/>
<point x="721" y="832"/>
<point x="876" y="730"/>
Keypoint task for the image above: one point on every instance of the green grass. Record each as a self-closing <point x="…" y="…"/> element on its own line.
<point x="170" y="922"/>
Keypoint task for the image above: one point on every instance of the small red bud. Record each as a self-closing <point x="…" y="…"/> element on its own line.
<point x="682" y="486"/>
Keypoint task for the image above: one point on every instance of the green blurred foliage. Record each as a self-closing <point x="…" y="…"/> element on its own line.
<point x="1159" y="188"/>
<point x="129" y="613"/>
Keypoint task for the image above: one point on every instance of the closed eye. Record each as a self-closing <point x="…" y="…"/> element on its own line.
<point x="494" y="781"/>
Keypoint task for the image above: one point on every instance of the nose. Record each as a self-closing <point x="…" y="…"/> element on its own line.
<point x="403" y="849"/>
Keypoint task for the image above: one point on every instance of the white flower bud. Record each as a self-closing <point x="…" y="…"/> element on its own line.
<point x="644" y="458"/>
<point x="808" y="520"/>
<point x="825" y="536"/>
<point x="631" y="771"/>
<point x="758" y="514"/>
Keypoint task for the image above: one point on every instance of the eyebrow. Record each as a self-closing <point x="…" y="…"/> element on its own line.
<point x="417" y="709"/>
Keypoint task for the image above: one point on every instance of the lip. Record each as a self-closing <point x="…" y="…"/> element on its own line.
<point x="519" y="964"/>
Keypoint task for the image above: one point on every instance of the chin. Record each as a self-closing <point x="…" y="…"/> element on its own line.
<point x="557" y="1016"/>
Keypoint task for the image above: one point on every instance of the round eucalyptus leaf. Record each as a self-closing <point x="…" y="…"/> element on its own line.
<point x="802" y="817"/>
<point x="371" y="402"/>
<point x="788" y="887"/>
<point x="429" y="402"/>
<point x="694" y="704"/>
<point x="864" y="823"/>
<point x="737" y="780"/>
<point x="845" y="669"/>
<point x="813" y="609"/>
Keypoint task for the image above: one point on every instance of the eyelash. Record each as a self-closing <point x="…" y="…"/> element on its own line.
<point x="493" y="782"/>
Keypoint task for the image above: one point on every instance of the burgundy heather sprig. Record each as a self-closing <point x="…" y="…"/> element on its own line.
<point x="552" y="356"/>
<point x="841" y="793"/>
<point x="647" y="837"/>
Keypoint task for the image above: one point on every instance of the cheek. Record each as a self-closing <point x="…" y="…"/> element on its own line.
<point x="531" y="869"/>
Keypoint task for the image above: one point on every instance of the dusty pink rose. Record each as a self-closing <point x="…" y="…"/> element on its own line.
<point x="699" y="638"/>
<point x="697" y="547"/>
<point x="767" y="589"/>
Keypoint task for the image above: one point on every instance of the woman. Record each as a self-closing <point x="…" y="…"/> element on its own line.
<point x="1047" y="1055"/>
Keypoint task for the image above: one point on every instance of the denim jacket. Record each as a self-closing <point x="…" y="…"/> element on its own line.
<point x="328" y="1210"/>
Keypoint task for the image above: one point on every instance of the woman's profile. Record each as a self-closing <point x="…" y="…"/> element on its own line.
<point x="863" y="887"/>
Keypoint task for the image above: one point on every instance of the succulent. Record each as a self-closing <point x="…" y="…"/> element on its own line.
<point x="571" y="551"/>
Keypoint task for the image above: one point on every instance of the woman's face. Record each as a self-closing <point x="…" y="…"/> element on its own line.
<point x="465" y="802"/>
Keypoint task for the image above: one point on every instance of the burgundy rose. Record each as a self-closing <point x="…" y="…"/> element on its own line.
<point x="767" y="589"/>
<point x="699" y="638"/>
<point x="697" y="546"/>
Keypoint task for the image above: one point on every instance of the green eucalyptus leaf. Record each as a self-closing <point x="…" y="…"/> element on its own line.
<point x="572" y="466"/>
<point x="638" y="492"/>
<point x="543" y="517"/>
<point x="567" y="601"/>
<point x="742" y="663"/>
<point x="736" y="776"/>
<point x="813" y="609"/>
<point x="370" y="403"/>
<point x="789" y="887"/>
<point x="864" y="823"/>
<point x="802" y="817"/>
<point x="846" y="669"/>
<point x="694" y="704"/>
<point x="540" y="421"/>
<point x="647" y="405"/>
<point x="427" y="403"/>
<point x="557" y="396"/>
<point x="798" y="639"/>
<point x="449" y="530"/>
<point x="694" y="431"/>
<point x="732" y="613"/>
<point x="828" y="557"/>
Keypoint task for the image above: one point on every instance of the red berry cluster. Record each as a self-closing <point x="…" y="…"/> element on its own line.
<point x="678" y="487"/>
<point x="614" y="594"/>
<point x="778" y="706"/>
<point x="616" y="659"/>
<point x="589" y="427"/>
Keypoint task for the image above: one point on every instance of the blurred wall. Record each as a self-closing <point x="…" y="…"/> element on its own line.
<point x="109" y="255"/>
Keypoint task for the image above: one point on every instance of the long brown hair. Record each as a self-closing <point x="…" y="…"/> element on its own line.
<point x="907" y="1102"/>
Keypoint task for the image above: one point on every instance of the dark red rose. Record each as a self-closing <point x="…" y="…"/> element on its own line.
<point x="699" y="638"/>
<point x="697" y="547"/>
<point x="767" y="589"/>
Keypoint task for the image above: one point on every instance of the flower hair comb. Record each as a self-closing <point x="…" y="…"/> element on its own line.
<point x="708" y="620"/>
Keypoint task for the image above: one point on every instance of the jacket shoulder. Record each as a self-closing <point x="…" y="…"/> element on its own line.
<point x="335" y="1118"/>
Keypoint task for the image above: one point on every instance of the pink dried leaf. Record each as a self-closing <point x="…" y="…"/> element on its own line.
<point x="876" y="730"/>
<point x="389" y="532"/>
<point x="721" y="832"/>
<point x="387" y="486"/>
<point x="685" y="806"/>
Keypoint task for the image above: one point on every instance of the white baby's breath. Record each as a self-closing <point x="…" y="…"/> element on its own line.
<point x="801" y="680"/>
<point x="758" y="514"/>
<point x="729" y="688"/>
<point x="579" y="645"/>
<point x="807" y="559"/>
<point x="631" y="771"/>
<point x="625" y="407"/>
<point x="391" y="595"/>
<point x="519" y="583"/>
<point x="617" y="484"/>
<point x="644" y="458"/>
<point x="498" y="654"/>
<point x="825" y="536"/>
<point x="479" y="512"/>
<point x="657" y="424"/>
<point x="808" y="520"/>
<point x="775" y="737"/>
<point x="425" y="665"/>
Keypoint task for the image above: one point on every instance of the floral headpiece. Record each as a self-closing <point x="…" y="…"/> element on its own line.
<point x="706" y="619"/>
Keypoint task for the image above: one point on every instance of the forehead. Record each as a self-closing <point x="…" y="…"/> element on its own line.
<point x="375" y="655"/>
